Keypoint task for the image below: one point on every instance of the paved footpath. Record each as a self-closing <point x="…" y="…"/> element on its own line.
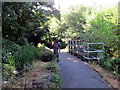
<point x="76" y="74"/>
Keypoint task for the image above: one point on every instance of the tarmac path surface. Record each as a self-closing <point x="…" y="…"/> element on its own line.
<point x="76" y="74"/>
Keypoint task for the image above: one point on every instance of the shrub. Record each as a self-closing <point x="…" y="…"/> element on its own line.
<point x="53" y="67"/>
<point x="46" y="55"/>
<point x="63" y="45"/>
<point x="22" y="42"/>
<point x="25" y="56"/>
<point x="8" y="66"/>
<point x="112" y="65"/>
<point x="9" y="47"/>
<point x="15" y="56"/>
<point x="56" y="81"/>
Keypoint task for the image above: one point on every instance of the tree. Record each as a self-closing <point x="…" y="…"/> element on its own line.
<point x="21" y="20"/>
<point x="76" y="19"/>
<point x="104" y="28"/>
<point x="72" y="23"/>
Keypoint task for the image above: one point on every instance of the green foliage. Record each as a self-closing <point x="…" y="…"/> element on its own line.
<point x="16" y="57"/>
<point x="111" y="65"/>
<point x="76" y="19"/>
<point x="57" y="29"/>
<point x="21" y="19"/>
<point x="22" y="42"/>
<point x="63" y="45"/>
<point x="55" y="81"/>
<point x="9" y="47"/>
<point x="8" y="60"/>
<point x="72" y="23"/>
<point x="53" y="67"/>
<point x="103" y="28"/>
<point x="94" y="26"/>
<point x="46" y="55"/>
<point x="25" y="56"/>
<point x="9" y="65"/>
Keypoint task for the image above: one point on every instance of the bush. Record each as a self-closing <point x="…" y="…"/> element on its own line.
<point x="56" y="81"/>
<point x="22" y="42"/>
<point x="8" y="66"/>
<point x="63" y="45"/>
<point x="53" y="67"/>
<point x="15" y="56"/>
<point x="46" y="55"/>
<point x="112" y="65"/>
<point x="25" y="56"/>
<point x="9" y="47"/>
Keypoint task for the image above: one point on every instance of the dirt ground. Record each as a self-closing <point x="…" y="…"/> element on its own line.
<point x="107" y="76"/>
<point x="33" y="78"/>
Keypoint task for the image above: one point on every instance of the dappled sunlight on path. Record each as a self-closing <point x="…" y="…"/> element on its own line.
<point x="77" y="74"/>
<point x="72" y="60"/>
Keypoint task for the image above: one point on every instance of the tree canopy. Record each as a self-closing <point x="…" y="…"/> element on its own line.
<point x="83" y="22"/>
<point x="22" y="19"/>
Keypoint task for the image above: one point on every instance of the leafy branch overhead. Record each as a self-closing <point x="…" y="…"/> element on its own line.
<point x="21" y="19"/>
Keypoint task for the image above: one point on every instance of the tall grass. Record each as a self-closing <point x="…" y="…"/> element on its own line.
<point x="15" y="56"/>
<point x="25" y="56"/>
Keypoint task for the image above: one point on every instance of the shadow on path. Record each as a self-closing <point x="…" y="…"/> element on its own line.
<point x="76" y="74"/>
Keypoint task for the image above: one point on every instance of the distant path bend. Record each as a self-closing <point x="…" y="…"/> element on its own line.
<point x="76" y="74"/>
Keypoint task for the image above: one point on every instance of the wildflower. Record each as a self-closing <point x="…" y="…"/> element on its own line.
<point x="15" y="72"/>
<point x="10" y="53"/>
